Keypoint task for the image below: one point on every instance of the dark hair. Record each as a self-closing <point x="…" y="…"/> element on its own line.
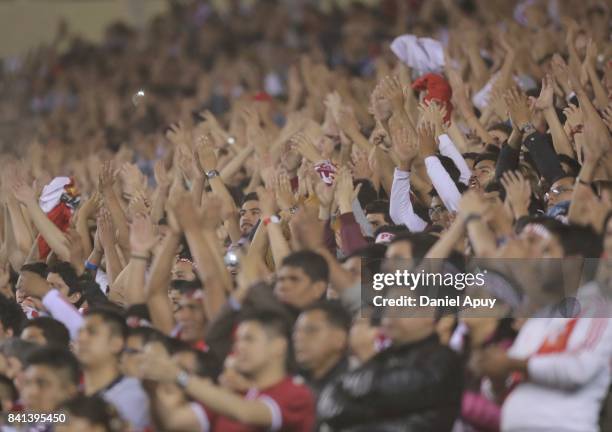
<point x="207" y="364"/>
<point x="186" y="287"/>
<point x="96" y="410"/>
<point x="574" y="166"/>
<point x="501" y="127"/>
<point x="112" y="318"/>
<point x="20" y="349"/>
<point x="313" y="264"/>
<point x="421" y="243"/>
<point x="11" y="315"/>
<point x="495" y="186"/>
<point x="471" y="155"/>
<point x="69" y="275"/>
<point x="379" y="206"/>
<point x="59" y="359"/>
<point x="392" y="229"/>
<point x="274" y="323"/>
<point x="579" y="240"/>
<point x="40" y="268"/>
<point x="139" y="310"/>
<point x="148" y="334"/>
<point x="55" y="333"/>
<point x="450" y="167"/>
<point x="7" y="384"/>
<point x="486" y="157"/>
<point x="252" y="196"/>
<point x="335" y="314"/>
<point x="367" y="194"/>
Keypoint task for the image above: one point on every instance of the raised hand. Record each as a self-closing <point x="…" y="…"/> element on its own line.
<point x="518" y="107"/>
<point x="284" y="193"/>
<point x="267" y="201"/>
<point x="162" y="178"/>
<point x="106" y="229"/>
<point x="561" y="73"/>
<point x="178" y="135"/>
<point x="143" y="236"/>
<point x="472" y="202"/>
<point x="90" y="207"/>
<point x="390" y="88"/>
<point x="213" y="211"/>
<point x="434" y="113"/>
<point x="24" y="193"/>
<point x="303" y="144"/>
<point x="518" y="192"/>
<point x="360" y="165"/>
<point x="345" y="192"/>
<point x="545" y="100"/>
<point x="426" y="133"/>
<point x="206" y="154"/>
<point x="404" y="142"/>
<point x="139" y="204"/>
<point x="107" y="176"/>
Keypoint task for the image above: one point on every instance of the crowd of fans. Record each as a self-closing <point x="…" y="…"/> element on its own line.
<point x="188" y="211"/>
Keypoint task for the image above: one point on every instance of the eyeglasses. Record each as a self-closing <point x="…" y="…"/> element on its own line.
<point x="556" y="191"/>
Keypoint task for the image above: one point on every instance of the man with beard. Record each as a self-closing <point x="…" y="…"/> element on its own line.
<point x="249" y="217"/>
<point x="559" y="365"/>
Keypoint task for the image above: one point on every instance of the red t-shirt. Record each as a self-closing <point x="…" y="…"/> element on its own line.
<point x="290" y="402"/>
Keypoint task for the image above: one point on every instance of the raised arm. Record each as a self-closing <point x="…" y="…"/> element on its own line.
<point x="52" y="234"/>
<point x="111" y="201"/>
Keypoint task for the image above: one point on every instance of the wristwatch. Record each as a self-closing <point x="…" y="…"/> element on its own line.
<point x="272" y="219"/>
<point x="212" y="174"/>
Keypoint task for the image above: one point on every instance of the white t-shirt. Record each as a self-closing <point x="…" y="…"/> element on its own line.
<point x="131" y="401"/>
<point x="565" y="388"/>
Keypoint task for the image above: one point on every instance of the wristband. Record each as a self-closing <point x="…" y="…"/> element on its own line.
<point x="140" y="257"/>
<point x="212" y="174"/>
<point x="470" y="218"/>
<point x="271" y="219"/>
<point x="182" y="379"/>
<point x="90" y="266"/>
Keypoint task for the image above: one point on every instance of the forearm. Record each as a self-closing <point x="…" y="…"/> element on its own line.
<point x="218" y="269"/>
<point x="445" y="245"/>
<point x="601" y="96"/>
<point x="340" y="278"/>
<point x="560" y="141"/>
<point x="197" y="188"/>
<point x="457" y="137"/>
<point x="134" y="291"/>
<point x="52" y="234"/>
<point x="226" y="403"/>
<point x="83" y="230"/>
<point x="482" y="238"/>
<point x="118" y="217"/>
<point x="278" y="244"/>
<point x="203" y="255"/>
<point x="23" y="236"/>
<point x="219" y="189"/>
<point x="159" y="203"/>
<point x="113" y="263"/>
<point x="236" y="163"/>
